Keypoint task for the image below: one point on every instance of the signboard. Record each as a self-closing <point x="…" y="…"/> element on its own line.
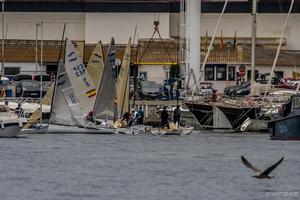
<point x="143" y="76"/>
<point x="242" y="70"/>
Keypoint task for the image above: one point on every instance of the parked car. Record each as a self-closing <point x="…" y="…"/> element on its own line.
<point x="16" y="79"/>
<point x="46" y="81"/>
<point x="149" y="90"/>
<point x="206" y="89"/>
<point x="239" y="90"/>
<point x="28" y="88"/>
<point x="4" y="83"/>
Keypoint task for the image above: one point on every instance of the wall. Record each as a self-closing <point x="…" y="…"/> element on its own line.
<point x="121" y="26"/>
<point x="25" y="68"/>
<point x="268" y="25"/>
<point x="22" y="25"/>
<point x="287" y="71"/>
<point x="154" y="72"/>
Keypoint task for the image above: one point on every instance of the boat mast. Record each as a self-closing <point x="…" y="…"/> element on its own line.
<point x="193" y="35"/>
<point x="41" y="75"/>
<point x="278" y="49"/>
<point x="253" y="43"/>
<point x="3" y="33"/>
<point x="59" y="61"/>
<point x="201" y="77"/>
<point x="36" y="46"/>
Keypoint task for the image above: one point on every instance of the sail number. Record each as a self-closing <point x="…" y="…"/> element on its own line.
<point x="80" y="71"/>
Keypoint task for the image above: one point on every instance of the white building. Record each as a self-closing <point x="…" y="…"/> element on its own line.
<point x="91" y="21"/>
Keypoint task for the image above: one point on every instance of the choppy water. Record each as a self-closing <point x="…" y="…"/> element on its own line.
<point x="113" y="167"/>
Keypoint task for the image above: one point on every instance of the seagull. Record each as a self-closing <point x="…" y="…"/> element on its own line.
<point x="258" y="173"/>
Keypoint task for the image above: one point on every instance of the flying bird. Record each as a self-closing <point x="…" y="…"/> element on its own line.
<point x="259" y="173"/>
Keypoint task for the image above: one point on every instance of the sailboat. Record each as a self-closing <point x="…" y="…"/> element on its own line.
<point x="104" y="104"/>
<point x="95" y="65"/>
<point x="73" y="98"/>
<point x="232" y="112"/>
<point x="123" y="82"/>
<point x="32" y="123"/>
<point x="122" y="96"/>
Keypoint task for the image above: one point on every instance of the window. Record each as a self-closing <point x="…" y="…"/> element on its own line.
<point x="221" y="73"/>
<point x="209" y="73"/>
<point x="231" y="73"/>
<point x="249" y="75"/>
<point x="278" y="75"/>
<point x="11" y="70"/>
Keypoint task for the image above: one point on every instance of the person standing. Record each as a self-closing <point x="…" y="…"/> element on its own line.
<point x="164" y="116"/>
<point x="177" y="115"/>
<point x="140" y="116"/>
<point x="131" y="117"/>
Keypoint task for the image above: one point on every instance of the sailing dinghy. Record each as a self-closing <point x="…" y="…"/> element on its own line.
<point x="173" y="130"/>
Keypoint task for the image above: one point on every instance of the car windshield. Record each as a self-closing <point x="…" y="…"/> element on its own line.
<point x="30" y="83"/>
<point x="149" y="84"/>
<point x="23" y="77"/>
<point x="45" y="77"/>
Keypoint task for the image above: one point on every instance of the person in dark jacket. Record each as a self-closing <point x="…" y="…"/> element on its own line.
<point x="140" y="116"/>
<point x="164" y="118"/>
<point x="177" y="115"/>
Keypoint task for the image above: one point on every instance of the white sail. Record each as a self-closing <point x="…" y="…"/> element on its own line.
<point x="95" y="65"/>
<point x="80" y="80"/>
<point x="79" y="46"/>
<point x="104" y="106"/>
<point x="123" y="82"/>
<point x="62" y="110"/>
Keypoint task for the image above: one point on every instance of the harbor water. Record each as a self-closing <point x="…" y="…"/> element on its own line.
<point x="112" y="167"/>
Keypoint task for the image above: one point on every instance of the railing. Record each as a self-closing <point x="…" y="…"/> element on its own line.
<point x="226" y="55"/>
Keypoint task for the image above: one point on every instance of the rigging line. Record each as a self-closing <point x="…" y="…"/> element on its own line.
<point x="209" y="48"/>
<point x="280" y="6"/>
<point x="167" y="50"/>
<point x="278" y="49"/>
<point x="148" y="44"/>
<point x="123" y="103"/>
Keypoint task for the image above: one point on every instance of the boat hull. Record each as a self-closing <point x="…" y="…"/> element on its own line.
<point x="203" y="112"/>
<point x="238" y="115"/>
<point x="287" y="128"/>
<point x="10" y="130"/>
<point x="181" y="131"/>
<point x="134" y="130"/>
<point x="60" y="129"/>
